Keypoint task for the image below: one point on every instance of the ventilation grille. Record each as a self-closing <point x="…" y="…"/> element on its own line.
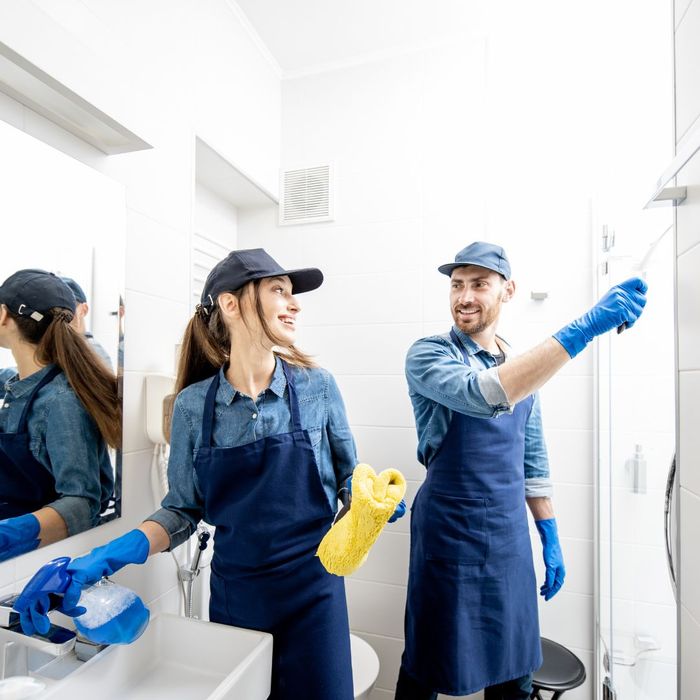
<point x="206" y="252"/>
<point x="306" y="195"/>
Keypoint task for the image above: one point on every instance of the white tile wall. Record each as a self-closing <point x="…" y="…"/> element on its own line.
<point x="687" y="52"/>
<point x="688" y="214"/>
<point x="689" y="418"/>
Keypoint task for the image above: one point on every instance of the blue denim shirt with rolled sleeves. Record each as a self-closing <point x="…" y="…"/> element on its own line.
<point x="439" y="383"/>
<point x="239" y="420"/>
<point x="65" y="439"/>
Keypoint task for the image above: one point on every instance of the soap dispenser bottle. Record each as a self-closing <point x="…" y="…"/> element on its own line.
<point x="637" y="464"/>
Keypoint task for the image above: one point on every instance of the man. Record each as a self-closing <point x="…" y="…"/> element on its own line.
<point x="78" y="322"/>
<point x="471" y="613"/>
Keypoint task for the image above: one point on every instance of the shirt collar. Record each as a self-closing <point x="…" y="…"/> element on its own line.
<point x="19" y="387"/>
<point x="277" y="385"/>
<point x="472" y="347"/>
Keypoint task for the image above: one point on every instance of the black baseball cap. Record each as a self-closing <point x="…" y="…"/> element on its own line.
<point x="77" y="290"/>
<point x="34" y="292"/>
<point x="242" y="266"/>
<point x="482" y="254"/>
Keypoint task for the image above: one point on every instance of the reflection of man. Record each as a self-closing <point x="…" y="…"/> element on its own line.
<point x="81" y="311"/>
<point x="471" y="616"/>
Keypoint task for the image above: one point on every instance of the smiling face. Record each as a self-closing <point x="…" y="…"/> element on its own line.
<point x="279" y="308"/>
<point x="476" y="295"/>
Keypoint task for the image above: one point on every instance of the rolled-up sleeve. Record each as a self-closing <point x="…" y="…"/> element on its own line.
<point x="182" y="507"/>
<point x="433" y="371"/>
<point x="537" y="479"/>
<point x="341" y="441"/>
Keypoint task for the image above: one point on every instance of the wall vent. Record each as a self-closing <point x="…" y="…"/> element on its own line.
<point x="306" y="195"/>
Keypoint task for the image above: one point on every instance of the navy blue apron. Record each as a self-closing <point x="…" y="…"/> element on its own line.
<point x="271" y="512"/>
<point x="25" y="483"/>
<point x="471" y="612"/>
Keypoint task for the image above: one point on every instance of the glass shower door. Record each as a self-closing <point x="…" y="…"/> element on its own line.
<point x="636" y="437"/>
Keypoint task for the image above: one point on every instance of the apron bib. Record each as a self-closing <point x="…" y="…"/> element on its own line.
<point x="271" y="512"/>
<point x="471" y="614"/>
<point x="25" y="483"/>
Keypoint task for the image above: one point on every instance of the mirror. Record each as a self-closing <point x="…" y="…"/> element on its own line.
<point x="61" y="216"/>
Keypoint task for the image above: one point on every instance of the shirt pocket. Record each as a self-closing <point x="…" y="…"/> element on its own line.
<point x="455" y="530"/>
<point x="315" y="435"/>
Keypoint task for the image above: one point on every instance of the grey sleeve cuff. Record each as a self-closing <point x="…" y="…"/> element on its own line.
<point x="492" y="390"/>
<point x="538" y="487"/>
<point x="177" y="526"/>
<point x="75" y="512"/>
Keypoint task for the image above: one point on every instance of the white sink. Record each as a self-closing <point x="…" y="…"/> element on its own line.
<point x="176" y="658"/>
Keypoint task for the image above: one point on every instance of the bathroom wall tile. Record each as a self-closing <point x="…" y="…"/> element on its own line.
<point x="161" y="268"/>
<point x="138" y="495"/>
<point x="679" y="9"/>
<point x="376" y="608"/>
<point x="570" y="453"/>
<point x="387" y="561"/>
<point x="149" y="347"/>
<point x="688" y="214"/>
<point x="688" y="313"/>
<point x="689" y="655"/>
<point x="568" y="619"/>
<point x="11" y="111"/>
<point x="134" y="413"/>
<point x="689" y="418"/>
<point x="361" y="299"/>
<point x="687" y="66"/>
<point x="360" y="394"/>
<point x="689" y="561"/>
<point x="389" y="447"/>
<point x="389" y="651"/>
<point x="373" y="349"/>
<point x="652" y="583"/>
<point x="568" y="402"/>
<point x="573" y="505"/>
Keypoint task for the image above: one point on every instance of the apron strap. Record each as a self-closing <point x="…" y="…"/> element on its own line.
<point x="460" y="346"/>
<point x="293" y="401"/>
<point x="48" y="377"/>
<point x="208" y="416"/>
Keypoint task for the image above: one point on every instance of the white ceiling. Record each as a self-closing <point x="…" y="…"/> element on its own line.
<point x="310" y="35"/>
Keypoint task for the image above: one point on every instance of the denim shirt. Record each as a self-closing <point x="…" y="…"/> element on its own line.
<point x="239" y="420"/>
<point x="65" y="439"/>
<point x="439" y="382"/>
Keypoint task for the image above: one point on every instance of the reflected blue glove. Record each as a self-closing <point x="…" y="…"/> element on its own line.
<point x="398" y="513"/>
<point x="553" y="558"/>
<point x="18" y="535"/>
<point x="131" y="548"/>
<point x="621" y="305"/>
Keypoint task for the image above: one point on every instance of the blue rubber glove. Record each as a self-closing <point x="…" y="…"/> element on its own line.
<point x="398" y="513"/>
<point x="131" y="548"/>
<point x="18" y="535"/>
<point x="621" y="305"/>
<point x="553" y="558"/>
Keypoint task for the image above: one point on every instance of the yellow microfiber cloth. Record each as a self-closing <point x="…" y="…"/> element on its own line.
<point x="374" y="499"/>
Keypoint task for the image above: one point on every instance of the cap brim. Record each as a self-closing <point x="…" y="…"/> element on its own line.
<point x="448" y="267"/>
<point x="303" y="280"/>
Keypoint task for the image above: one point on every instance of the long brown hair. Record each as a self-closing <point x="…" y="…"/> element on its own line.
<point x="206" y="342"/>
<point x="94" y="384"/>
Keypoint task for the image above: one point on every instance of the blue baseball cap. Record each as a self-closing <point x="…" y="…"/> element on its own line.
<point x="242" y="266"/>
<point x="33" y="293"/>
<point x="487" y="255"/>
<point x="77" y="290"/>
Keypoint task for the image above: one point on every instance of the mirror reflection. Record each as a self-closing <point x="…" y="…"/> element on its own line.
<point x="61" y="336"/>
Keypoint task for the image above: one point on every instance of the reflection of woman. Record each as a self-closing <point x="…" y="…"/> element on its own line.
<point x="59" y="412"/>
<point x="260" y="446"/>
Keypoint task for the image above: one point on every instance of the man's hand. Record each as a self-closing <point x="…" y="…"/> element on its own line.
<point x="553" y="558"/>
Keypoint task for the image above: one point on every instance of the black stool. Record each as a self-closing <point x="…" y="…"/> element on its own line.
<point x="561" y="670"/>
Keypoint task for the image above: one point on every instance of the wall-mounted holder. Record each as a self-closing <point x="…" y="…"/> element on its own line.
<point x="539" y="296"/>
<point x="667" y="196"/>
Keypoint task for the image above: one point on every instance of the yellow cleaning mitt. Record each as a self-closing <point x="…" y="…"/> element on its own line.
<point x="374" y="499"/>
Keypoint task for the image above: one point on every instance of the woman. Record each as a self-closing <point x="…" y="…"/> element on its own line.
<point x="60" y="410"/>
<point x="260" y="446"/>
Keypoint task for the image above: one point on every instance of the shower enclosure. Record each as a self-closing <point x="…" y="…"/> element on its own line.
<point x="635" y="411"/>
